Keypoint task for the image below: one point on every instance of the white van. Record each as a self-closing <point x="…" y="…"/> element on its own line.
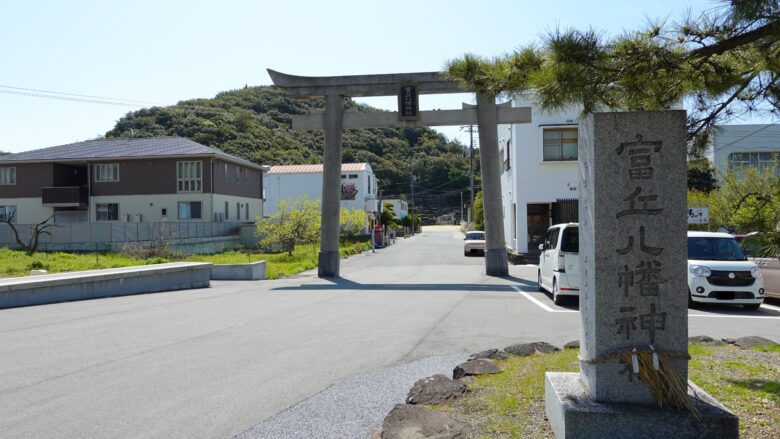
<point x="559" y="262"/>
<point x="719" y="272"/>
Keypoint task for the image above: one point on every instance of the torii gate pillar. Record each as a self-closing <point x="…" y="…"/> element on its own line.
<point x="487" y="115"/>
<point x="328" y="262"/>
<point x="495" y="254"/>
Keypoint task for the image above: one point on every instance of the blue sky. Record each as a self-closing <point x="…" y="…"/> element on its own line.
<point x="165" y="51"/>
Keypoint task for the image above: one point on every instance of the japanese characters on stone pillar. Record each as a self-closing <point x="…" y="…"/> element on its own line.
<point x="633" y="247"/>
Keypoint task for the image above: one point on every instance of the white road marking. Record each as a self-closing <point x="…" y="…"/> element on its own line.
<point x="772" y="307"/>
<point x="537" y="302"/>
<point x="541" y="304"/>
<point x="730" y="316"/>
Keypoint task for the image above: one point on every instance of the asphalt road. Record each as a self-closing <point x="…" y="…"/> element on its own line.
<point x="255" y="358"/>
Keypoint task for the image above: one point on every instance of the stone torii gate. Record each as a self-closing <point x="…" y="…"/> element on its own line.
<point x="407" y="86"/>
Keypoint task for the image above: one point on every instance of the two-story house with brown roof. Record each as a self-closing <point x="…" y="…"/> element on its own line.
<point x="130" y="180"/>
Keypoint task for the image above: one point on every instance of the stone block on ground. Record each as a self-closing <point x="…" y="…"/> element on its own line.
<point x="574" y="414"/>
<point x="526" y="349"/>
<point x="437" y="389"/>
<point x="574" y="344"/>
<point x="750" y="341"/>
<point x="492" y="354"/>
<point x="475" y="367"/>
<point x="419" y="422"/>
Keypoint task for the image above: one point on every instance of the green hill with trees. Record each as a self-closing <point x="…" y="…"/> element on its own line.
<point x="255" y="123"/>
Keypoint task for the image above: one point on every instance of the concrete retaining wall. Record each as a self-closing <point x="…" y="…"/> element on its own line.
<point x="80" y="285"/>
<point x="251" y="271"/>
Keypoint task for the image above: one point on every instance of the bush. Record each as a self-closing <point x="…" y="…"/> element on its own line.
<point x="157" y="260"/>
<point x="138" y="251"/>
<point x="37" y="265"/>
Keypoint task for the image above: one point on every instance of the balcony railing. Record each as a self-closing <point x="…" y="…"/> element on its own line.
<point x="65" y="196"/>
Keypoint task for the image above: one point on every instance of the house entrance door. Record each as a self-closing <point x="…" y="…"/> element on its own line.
<point x="538" y="223"/>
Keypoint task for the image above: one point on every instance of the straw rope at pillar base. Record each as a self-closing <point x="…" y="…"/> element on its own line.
<point x="656" y="370"/>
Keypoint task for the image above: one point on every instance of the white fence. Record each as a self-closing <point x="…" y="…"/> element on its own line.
<point x="110" y="232"/>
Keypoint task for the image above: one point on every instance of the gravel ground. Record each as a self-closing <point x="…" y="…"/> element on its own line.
<point x="352" y="408"/>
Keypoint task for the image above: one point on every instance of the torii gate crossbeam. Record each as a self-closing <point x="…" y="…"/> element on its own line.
<point x="407" y="86"/>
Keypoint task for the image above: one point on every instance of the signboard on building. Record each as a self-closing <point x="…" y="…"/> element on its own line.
<point x="698" y="215"/>
<point x="348" y="191"/>
<point x="408" y="102"/>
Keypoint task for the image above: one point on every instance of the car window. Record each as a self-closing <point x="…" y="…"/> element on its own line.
<point x="570" y="242"/>
<point x="554" y="238"/>
<point x="475" y="236"/>
<point x="714" y="249"/>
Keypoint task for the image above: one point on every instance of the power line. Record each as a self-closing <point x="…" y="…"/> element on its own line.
<point x="103" y="98"/>
<point x="68" y="98"/>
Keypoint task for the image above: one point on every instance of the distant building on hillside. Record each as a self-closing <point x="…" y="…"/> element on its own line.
<point x="738" y="147"/>
<point x="400" y="207"/>
<point x="358" y="186"/>
<point x="160" y="179"/>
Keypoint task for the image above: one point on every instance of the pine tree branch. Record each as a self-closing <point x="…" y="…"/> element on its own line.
<point x="770" y="29"/>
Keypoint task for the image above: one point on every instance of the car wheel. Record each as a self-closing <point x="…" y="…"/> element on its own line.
<point x="752" y="306"/>
<point x="539" y="281"/>
<point x="557" y="299"/>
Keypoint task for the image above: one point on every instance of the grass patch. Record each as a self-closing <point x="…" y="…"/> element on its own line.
<point x="18" y="263"/>
<point x="511" y="404"/>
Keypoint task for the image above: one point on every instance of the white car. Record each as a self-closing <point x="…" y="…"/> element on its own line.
<point x="559" y="262"/>
<point x="474" y="242"/>
<point x="719" y="272"/>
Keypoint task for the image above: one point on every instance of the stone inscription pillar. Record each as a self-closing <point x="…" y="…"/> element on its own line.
<point x="328" y="263"/>
<point x="633" y="246"/>
<point x="495" y="253"/>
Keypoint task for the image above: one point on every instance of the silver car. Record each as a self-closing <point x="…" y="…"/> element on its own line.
<point x="474" y="243"/>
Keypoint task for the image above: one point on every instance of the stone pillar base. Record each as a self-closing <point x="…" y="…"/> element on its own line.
<point x="573" y="414"/>
<point x="328" y="264"/>
<point x="496" y="263"/>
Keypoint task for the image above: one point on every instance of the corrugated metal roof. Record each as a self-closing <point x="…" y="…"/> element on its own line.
<point x="123" y="148"/>
<point x="314" y="169"/>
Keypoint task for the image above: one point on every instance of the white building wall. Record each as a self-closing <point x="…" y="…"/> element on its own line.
<point x="255" y="207"/>
<point x="150" y="206"/>
<point x="295" y="185"/>
<point x="28" y="210"/>
<point x="729" y="139"/>
<point x="531" y="179"/>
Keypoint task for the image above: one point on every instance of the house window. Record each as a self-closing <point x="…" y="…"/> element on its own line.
<point x="189" y="210"/>
<point x="343" y="176"/>
<point x="238" y="211"/>
<point x="762" y="162"/>
<point x="226" y="173"/>
<point x="7" y="212"/>
<point x="106" y="172"/>
<point x="7" y="176"/>
<point x="227" y="211"/>
<point x="246" y="177"/>
<point x="508" y="158"/>
<point x="369" y="184"/>
<point x="164" y="212"/>
<point x="189" y="176"/>
<point x="107" y="212"/>
<point x="353" y="176"/>
<point x="238" y="174"/>
<point x="559" y="144"/>
<point x="246" y="210"/>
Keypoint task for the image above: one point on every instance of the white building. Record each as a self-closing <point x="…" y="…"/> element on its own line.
<point x="539" y="175"/>
<point x="736" y="147"/>
<point x="400" y="207"/>
<point x="358" y="186"/>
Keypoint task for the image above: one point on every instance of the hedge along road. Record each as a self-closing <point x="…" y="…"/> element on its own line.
<point x="215" y="362"/>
